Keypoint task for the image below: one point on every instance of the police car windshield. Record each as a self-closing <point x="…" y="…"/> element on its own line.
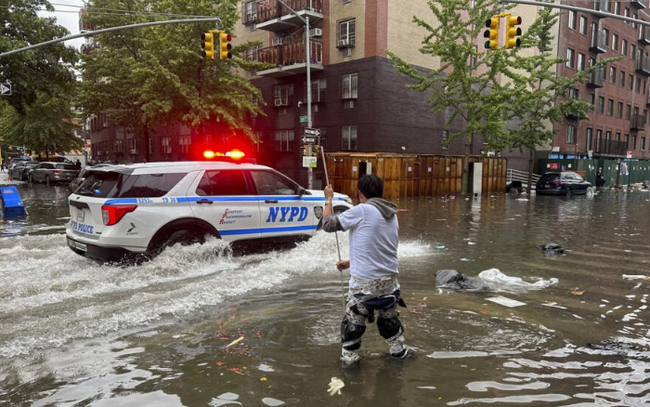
<point x="112" y="184"/>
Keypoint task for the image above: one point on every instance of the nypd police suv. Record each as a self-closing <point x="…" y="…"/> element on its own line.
<point x="125" y="211"/>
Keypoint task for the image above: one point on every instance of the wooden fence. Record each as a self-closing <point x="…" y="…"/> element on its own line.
<point x="407" y="175"/>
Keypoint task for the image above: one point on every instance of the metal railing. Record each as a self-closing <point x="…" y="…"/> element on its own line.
<point x="520" y="177"/>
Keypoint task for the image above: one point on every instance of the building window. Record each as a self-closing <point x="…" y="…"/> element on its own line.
<point x="632" y="51"/>
<point x="570" y="134"/>
<point x="570" y="56"/>
<point x="619" y="110"/>
<point x="621" y="79"/>
<point x="346" y="34"/>
<point x="612" y="74"/>
<point x="626" y="13"/>
<point x="252" y="53"/>
<point x="318" y="91"/>
<point x="633" y="142"/>
<point x="583" y="25"/>
<point x="599" y="135"/>
<point x="350" y="85"/>
<point x="630" y="82"/>
<point x="618" y="140"/>
<point x="642" y="143"/>
<point x="601" y="105"/>
<point x="581" y="62"/>
<point x="592" y="101"/>
<point x="628" y="112"/>
<point x="184" y="143"/>
<point x="572" y="19"/>
<point x="281" y="94"/>
<point x="614" y="42"/>
<point x="610" y="107"/>
<point x="627" y="141"/>
<point x="608" y="138"/>
<point x="624" y="47"/>
<point x="132" y="145"/>
<point x="637" y="85"/>
<point x="617" y="8"/>
<point x="166" y="145"/>
<point x="606" y="35"/>
<point x="636" y="17"/>
<point x="349" y="138"/>
<point x="589" y="139"/>
<point x="250" y="12"/>
<point x="118" y="147"/>
<point x="284" y="140"/>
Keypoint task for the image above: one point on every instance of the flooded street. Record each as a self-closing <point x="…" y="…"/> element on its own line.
<point x="198" y="326"/>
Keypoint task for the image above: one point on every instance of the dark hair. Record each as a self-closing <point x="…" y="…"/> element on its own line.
<point x="371" y="186"/>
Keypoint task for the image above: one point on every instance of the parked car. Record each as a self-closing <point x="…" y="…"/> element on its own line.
<point x="15" y="166"/>
<point x="562" y="183"/>
<point x="53" y="172"/>
<point x="20" y="172"/>
<point x="124" y="211"/>
<point x="79" y="179"/>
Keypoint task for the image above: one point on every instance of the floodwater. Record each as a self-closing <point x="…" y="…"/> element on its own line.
<point x="200" y="327"/>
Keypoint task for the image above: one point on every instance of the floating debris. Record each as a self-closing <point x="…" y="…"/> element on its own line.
<point x="336" y="385"/>
<point x="241" y="338"/>
<point x="506" y="302"/>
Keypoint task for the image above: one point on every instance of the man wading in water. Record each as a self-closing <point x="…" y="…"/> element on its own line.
<point x="373" y="283"/>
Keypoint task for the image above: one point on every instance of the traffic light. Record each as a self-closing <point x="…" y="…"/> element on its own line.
<point x="208" y="45"/>
<point x="224" y="45"/>
<point x="492" y="33"/>
<point x="512" y="31"/>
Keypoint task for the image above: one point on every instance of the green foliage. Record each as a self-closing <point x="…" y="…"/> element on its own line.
<point x="455" y="84"/>
<point x="42" y="79"/>
<point x="148" y="76"/>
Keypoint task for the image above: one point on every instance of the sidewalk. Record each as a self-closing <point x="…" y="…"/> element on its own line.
<point x="4" y="179"/>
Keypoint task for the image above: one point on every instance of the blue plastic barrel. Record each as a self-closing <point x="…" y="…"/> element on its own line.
<point x="12" y="205"/>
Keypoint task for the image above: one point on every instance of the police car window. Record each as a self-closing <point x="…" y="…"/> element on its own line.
<point x="269" y="183"/>
<point x="147" y="185"/>
<point x="222" y="182"/>
<point x="99" y="184"/>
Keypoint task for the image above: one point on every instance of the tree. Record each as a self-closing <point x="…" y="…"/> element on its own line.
<point x="150" y="76"/>
<point x="541" y="97"/>
<point x="38" y="112"/>
<point x="458" y="84"/>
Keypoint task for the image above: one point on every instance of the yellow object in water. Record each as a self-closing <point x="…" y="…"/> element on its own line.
<point x="336" y="385"/>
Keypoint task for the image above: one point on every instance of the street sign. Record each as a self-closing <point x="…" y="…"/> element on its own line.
<point x="310" y="162"/>
<point x="303" y="119"/>
<point x="312" y="132"/>
<point x="5" y="89"/>
<point x="308" y="140"/>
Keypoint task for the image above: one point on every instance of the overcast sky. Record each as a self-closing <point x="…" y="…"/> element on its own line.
<point x="67" y="15"/>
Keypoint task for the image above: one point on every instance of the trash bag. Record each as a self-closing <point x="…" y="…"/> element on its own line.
<point x="453" y="280"/>
<point x="552" y="249"/>
<point x="496" y="280"/>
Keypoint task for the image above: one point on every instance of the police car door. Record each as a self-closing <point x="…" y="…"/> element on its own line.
<point x="225" y="200"/>
<point x="283" y="210"/>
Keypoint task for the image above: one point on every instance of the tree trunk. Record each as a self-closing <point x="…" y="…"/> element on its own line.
<point x="531" y="167"/>
<point x="465" y="181"/>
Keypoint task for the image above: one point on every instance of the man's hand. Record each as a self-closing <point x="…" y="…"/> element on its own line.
<point x="343" y="265"/>
<point x="329" y="193"/>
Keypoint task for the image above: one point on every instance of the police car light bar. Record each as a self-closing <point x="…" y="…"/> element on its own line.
<point x="233" y="154"/>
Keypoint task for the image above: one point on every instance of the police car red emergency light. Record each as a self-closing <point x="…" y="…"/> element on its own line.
<point x="125" y="211"/>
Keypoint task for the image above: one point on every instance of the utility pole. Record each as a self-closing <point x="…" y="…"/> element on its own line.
<point x="305" y="20"/>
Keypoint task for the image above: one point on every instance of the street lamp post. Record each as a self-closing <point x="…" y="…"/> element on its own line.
<point x="305" y="20"/>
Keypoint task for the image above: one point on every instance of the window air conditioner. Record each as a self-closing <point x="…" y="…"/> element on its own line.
<point x="343" y="43"/>
<point x="316" y="32"/>
<point x="278" y="102"/>
<point x="276" y="41"/>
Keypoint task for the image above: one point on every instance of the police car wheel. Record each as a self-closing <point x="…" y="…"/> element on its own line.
<point x="184" y="237"/>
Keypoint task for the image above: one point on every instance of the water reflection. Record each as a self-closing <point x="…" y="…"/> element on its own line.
<point x="77" y="333"/>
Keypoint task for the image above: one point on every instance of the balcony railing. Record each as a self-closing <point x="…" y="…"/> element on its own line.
<point x="638" y="122"/>
<point x="643" y="65"/>
<point x="598" y="41"/>
<point x="272" y="15"/>
<point x="596" y="78"/>
<point x="289" y="58"/>
<point x="639" y="4"/>
<point x="644" y="34"/>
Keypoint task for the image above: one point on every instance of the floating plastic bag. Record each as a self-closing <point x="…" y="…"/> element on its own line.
<point x="499" y="281"/>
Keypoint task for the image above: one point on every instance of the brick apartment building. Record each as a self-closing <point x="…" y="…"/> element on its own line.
<point x="616" y="128"/>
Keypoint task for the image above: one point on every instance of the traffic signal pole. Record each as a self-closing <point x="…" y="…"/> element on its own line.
<point x="106" y="30"/>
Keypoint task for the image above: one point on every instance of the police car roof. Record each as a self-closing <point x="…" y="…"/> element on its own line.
<point x="174" y="166"/>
